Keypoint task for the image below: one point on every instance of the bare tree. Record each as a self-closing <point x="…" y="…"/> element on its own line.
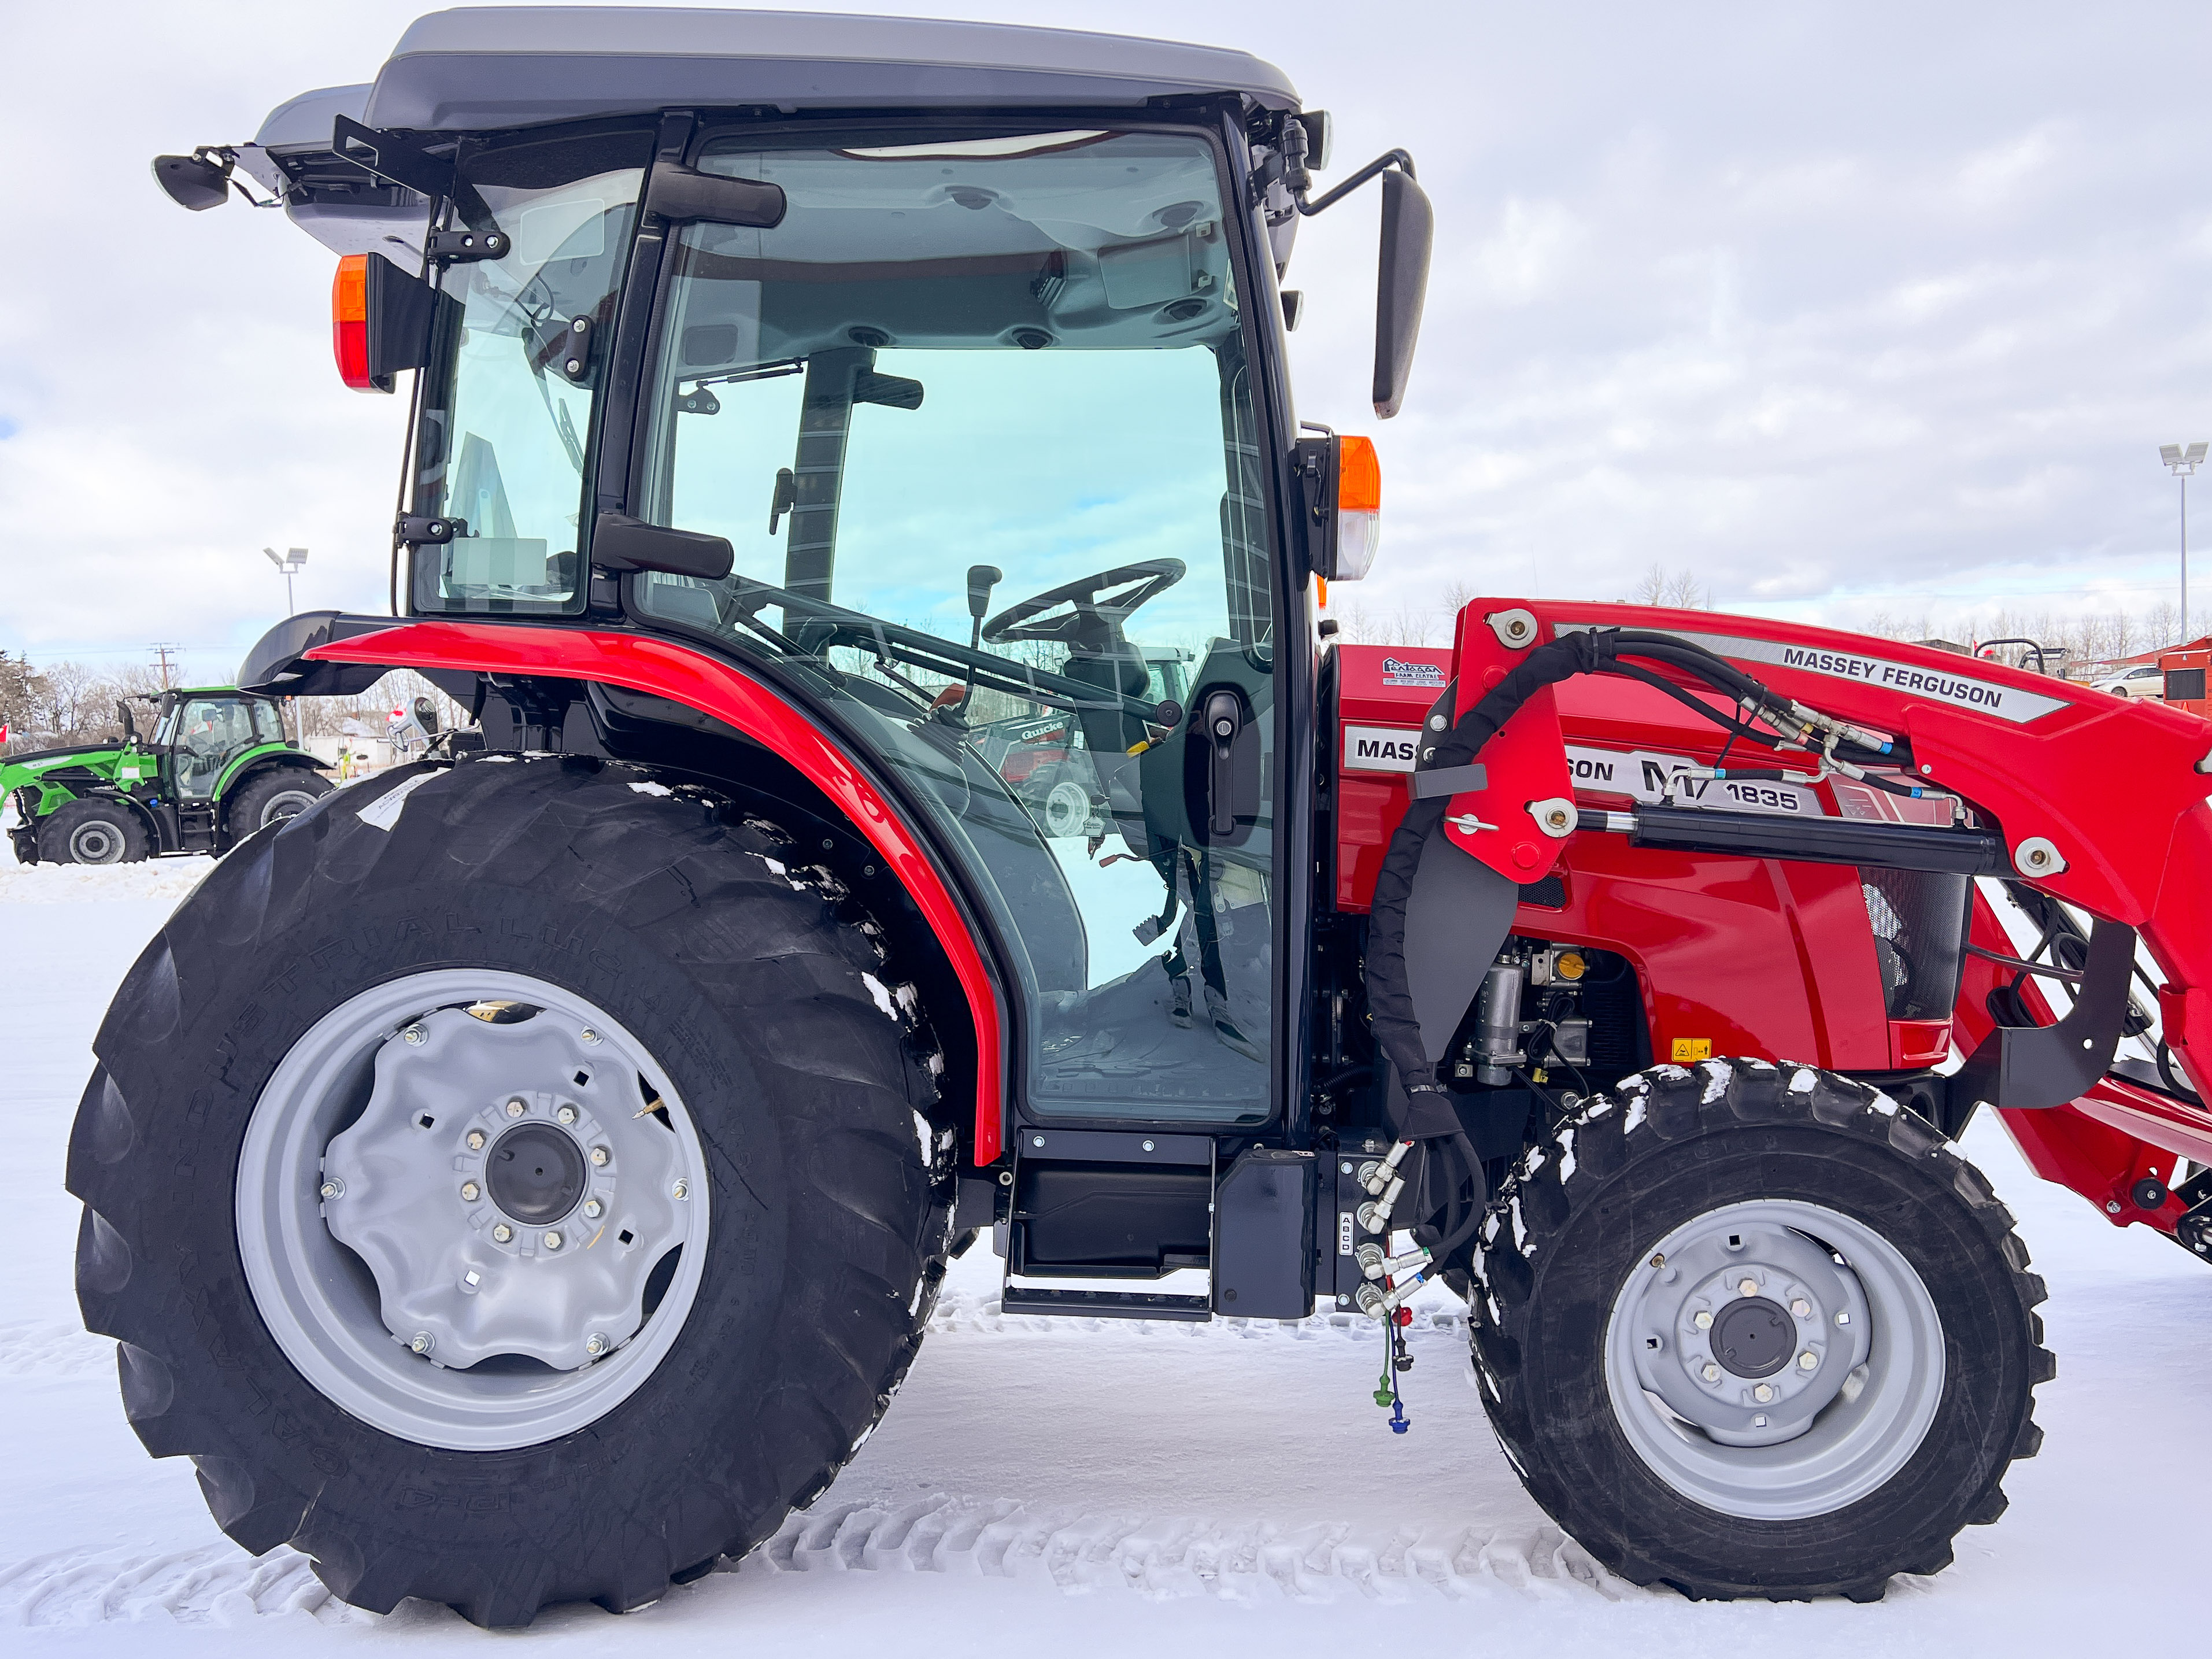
<point x="1676" y="589"/>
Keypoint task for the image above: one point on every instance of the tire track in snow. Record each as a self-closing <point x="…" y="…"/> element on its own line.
<point x="1167" y="1557"/>
<point x="213" y="1585"/>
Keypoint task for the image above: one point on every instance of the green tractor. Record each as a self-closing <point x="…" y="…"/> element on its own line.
<point x="218" y="768"/>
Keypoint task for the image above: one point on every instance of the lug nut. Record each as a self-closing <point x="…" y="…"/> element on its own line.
<point x="681" y="1189"/>
<point x="592" y="1207"/>
<point x="1809" y="1361"/>
<point x="1762" y="1393"/>
<point x="566" y="1114"/>
<point x="1844" y="1318"/>
<point x="1802" y="1308"/>
<point x="1747" y="1287"/>
<point x="332" y="1188"/>
<point x="552" y="1241"/>
<point x="503" y="1233"/>
<point x="1711" y="1372"/>
<point x="420" y="1342"/>
<point x="1702" y="1319"/>
<point x="471" y="1192"/>
<point x="595" y="1345"/>
<point x="475" y="1140"/>
<point x="588" y="1035"/>
<point x="415" y="1036"/>
<point x="517" y="1106"/>
<point x="599" y="1156"/>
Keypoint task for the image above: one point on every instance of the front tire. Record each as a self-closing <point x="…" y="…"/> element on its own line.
<point x="93" y="832"/>
<point x="282" y="1218"/>
<point x="1754" y="1331"/>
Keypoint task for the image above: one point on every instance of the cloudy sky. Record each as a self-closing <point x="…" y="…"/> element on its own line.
<point x="1840" y="307"/>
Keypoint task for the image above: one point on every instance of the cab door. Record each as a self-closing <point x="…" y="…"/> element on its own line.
<point x="978" y="421"/>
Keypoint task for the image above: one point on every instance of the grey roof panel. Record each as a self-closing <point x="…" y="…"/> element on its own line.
<point x="305" y="122"/>
<point x="477" y="67"/>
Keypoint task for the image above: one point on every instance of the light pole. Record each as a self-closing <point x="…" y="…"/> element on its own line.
<point x="294" y="560"/>
<point x="2183" y="463"/>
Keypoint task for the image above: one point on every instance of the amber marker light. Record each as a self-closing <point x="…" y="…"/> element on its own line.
<point x="349" y="322"/>
<point x="1358" y="506"/>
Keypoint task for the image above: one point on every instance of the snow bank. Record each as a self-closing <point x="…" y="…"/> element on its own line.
<point x="166" y="879"/>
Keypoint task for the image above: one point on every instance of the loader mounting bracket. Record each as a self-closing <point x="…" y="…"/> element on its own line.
<point x="2031" y="1067"/>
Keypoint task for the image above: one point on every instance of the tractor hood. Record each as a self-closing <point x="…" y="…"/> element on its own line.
<point x="486" y="68"/>
<point x="45" y="760"/>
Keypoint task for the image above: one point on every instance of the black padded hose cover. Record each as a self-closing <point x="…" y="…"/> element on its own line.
<point x="1390" y="998"/>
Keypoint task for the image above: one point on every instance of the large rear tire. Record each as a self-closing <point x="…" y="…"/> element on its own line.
<point x="306" y="1138"/>
<point x="274" y="794"/>
<point x="1754" y="1331"/>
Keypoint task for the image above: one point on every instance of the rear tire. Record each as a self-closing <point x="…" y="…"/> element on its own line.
<point x="1836" y="1423"/>
<point x="93" y="832"/>
<point x="279" y="792"/>
<point x="750" y="987"/>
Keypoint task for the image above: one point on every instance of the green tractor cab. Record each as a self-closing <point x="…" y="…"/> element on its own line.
<point x="218" y="767"/>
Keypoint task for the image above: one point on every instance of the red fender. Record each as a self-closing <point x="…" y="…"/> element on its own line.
<point x="641" y="663"/>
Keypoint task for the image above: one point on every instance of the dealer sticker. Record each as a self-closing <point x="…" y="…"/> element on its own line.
<point x="1424" y="676"/>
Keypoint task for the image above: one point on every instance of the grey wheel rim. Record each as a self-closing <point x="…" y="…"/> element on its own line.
<point x="473" y="1234"/>
<point x="96" y="841"/>
<point x="286" y="804"/>
<point x="1774" y="1360"/>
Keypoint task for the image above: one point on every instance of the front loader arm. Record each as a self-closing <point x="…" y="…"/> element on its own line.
<point x="2097" y="800"/>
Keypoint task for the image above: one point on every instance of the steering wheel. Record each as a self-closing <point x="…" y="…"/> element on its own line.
<point x="1091" y="621"/>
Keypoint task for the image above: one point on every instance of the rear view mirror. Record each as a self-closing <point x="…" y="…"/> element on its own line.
<point x="192" y="181"/>
<point x="1401" y="284"/>
<point x="685" y="196"/>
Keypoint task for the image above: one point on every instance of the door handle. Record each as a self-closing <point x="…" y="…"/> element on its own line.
<point x="1224" y="718"/>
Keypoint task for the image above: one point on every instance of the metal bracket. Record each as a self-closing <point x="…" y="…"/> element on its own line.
<point x="1446" y="780"/>
<point x="1515" y="628"/>
<point x="395" y="160"/>
<point x="413" y="530"/>
<point x="466" y="248"/>
<point x="2035" y="1067"/>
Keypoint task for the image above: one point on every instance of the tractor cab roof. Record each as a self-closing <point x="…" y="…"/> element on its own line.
<point x="481" y="69"/>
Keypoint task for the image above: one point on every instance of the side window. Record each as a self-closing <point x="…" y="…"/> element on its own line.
<point x="512" y="396"/>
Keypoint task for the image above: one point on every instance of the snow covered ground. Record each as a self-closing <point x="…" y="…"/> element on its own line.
<point x="1087" y="1487"/>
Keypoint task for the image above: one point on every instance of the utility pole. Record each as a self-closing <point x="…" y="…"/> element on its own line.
<point x="294" y="561"/>
<point x="163" y="652"/>
<point x="2183" y="463"/>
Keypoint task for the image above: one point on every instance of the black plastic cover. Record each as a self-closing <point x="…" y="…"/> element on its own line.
<point x="1263" y="1236"/>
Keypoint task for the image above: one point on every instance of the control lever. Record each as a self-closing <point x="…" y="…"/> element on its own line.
<point x="1224" y="718"/>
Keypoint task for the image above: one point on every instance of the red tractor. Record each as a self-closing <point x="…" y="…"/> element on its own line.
<point x="526" y="1177"/>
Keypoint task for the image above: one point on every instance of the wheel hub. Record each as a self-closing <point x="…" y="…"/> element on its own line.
<point x="1753" y="1337"/>
<point x="499" y="1219"/>
<point x="1743" y="1360"/>
<point x="536" y="1173"/>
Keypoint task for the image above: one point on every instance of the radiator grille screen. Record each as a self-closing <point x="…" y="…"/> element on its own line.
<point x="1919" y="920"/>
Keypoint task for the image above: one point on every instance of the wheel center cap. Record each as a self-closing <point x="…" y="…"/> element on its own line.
<point x="1752" y="1337"/>
<point x="536" y="1174"/>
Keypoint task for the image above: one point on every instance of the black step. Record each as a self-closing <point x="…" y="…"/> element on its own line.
<point x="1104" y="1304"/>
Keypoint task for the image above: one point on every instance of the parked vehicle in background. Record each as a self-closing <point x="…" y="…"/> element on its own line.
<point x="2147" y="680"/>
<point x="218" y="767"/>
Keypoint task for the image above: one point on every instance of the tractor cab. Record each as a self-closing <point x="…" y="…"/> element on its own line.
<point x="950" y="403"/>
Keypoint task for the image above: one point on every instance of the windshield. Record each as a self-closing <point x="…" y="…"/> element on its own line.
<point x="521" y="344"/>
<point x="976" y="420"/>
